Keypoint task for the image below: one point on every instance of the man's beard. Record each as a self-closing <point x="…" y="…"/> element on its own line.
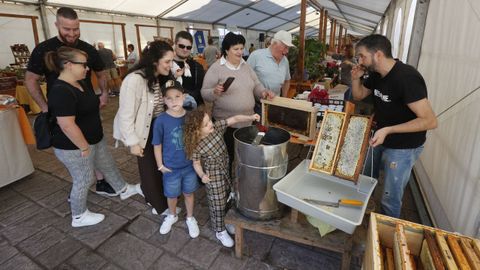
<point x="64" y="40"/>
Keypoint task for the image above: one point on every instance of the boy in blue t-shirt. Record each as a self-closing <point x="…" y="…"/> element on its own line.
<point x="178" y="173"/>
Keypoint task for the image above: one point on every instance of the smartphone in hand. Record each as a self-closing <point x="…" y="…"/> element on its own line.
<point x="227" y="83"/>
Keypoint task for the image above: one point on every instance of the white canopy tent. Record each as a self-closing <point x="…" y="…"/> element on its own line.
<point x="445" y="47"/>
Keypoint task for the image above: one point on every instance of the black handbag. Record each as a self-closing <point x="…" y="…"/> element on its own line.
<point x="42" y="127"/>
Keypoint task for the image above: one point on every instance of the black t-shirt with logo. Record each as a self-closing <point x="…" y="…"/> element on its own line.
<point x="391" y="94"/>
<point x="36" y="64"/>
<point x="65" y="99"/>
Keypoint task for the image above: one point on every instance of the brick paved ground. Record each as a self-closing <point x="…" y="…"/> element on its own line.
<point x="35" y="231"/>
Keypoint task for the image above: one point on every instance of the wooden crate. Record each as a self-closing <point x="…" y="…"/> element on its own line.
<point x="452" y="251"/>
<point x="298" y="117"/>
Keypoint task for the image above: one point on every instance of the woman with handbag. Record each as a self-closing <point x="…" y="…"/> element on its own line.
<point x="77" y="135"/>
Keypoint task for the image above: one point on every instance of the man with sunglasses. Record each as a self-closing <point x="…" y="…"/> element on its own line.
<point x="188" y="71"/>
<point x="68" y="26"/>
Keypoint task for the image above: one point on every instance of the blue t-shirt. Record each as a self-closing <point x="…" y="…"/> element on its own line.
<point x="168" y="131"/>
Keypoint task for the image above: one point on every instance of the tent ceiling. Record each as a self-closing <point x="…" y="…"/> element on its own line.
<point x="359" y="17"/>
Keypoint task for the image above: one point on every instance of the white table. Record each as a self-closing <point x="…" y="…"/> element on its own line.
<point x="15" y="161"/>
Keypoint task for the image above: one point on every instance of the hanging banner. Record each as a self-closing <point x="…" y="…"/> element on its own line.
<point x="199" y="41"/>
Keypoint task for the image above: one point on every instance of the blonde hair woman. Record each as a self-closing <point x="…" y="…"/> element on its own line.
<point x="78" y="139"/>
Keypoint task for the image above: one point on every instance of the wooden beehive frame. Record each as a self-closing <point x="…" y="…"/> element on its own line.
<point x="301" y="105"/>
<point x="326" y="148"/>
<point x="451" y="246"/>
<point x="353" y="147"/>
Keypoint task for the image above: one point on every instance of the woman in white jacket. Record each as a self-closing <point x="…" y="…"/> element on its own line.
<point x="141" y="102"/>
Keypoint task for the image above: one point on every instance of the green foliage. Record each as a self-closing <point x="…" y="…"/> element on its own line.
<point x="314" y="52"/>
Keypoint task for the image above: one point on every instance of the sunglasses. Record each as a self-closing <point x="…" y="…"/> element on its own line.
<point x="85" y="64"/>
<point x="181" y="46"/>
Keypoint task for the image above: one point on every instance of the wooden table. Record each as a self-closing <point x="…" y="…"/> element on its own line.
<point x="23" y="97"/>
<point x="295" y="228"/>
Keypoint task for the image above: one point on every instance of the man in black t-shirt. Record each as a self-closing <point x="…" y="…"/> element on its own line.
<point x="403" y="114"/>
<point x="68" y="26"/>
<point x="190" y="71"/>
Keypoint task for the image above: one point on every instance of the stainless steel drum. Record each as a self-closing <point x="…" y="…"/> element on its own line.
<point x="257" y="169"/>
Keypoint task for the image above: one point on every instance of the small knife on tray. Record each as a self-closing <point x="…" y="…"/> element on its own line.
<point x="342" y="202"/>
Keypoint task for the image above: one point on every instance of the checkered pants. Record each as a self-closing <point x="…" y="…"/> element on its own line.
<point x="218" y="191"/>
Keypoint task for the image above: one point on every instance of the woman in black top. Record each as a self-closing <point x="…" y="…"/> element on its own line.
<point x="78" y="134"/>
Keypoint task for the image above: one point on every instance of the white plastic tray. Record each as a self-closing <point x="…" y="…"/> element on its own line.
<point x="302" y="184"/>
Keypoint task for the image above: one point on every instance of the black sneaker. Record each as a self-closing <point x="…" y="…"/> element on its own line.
<point x="104" y="188"/>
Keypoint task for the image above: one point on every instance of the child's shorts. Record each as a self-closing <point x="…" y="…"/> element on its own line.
<point x="180" y="180"/>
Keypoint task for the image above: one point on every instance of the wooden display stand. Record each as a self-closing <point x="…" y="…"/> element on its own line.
<point x="409" y="245"/>
<point x="294" y="228"/>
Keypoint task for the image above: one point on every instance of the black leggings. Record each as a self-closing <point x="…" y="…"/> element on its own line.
<point x="151" y="178"/>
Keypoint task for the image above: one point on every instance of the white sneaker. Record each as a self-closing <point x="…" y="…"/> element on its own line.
<point x="192" y="225"/>
<point x="230" y="228"/>
<point x="87" y="219"/>
<point x="167" y="224"/>
<point x="139" y="190"/>
<point x="129" y="191"/>
<point x="225" y="238"/>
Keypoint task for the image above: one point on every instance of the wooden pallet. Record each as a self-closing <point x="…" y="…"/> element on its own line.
<point x="294" y="228"/>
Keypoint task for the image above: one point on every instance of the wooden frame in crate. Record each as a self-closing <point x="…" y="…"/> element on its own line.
<point x="298" y="117"/>
<point x="341" y="145"/>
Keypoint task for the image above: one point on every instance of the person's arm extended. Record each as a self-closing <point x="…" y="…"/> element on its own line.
<point x="102" y="84"/>
<point x="197" y="166"/>
<point x="157" y="151"/>
<point x="31" y="82"/>
<point x="425" y="120"/>
<point x="73" y="132"/>
<point x="242" y="118"/>
<point x="285" y="88"/>
<point x="359" y="91"/>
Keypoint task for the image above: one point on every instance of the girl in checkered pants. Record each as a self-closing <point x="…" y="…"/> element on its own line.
<point x="204" y="144"/>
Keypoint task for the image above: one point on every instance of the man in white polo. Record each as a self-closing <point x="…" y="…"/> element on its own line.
<point x="271" y="64"/>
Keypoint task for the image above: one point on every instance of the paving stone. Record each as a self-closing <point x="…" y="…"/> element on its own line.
<point x="112" y="204"/>
<point x="143" y="228"/>
<point x="93" y="236"/>
<point x="65" y="266"/>
<point x="111" y="267"/>
<point x="129" y="212"/>
<point x="18" y="213"/>
<point x="289" y="255"/>
<point x="10" y="200"/>
<point x="202" y="259"/>
<point x="170" y="262"/>
<point x="6" y="252"/>
<point x="257" y="245"/>
<point x="41" y="241"/>
<point x="173" y="241"/>
<point x="54" y="199"/>
<point x="254" y="264"/>
<point x="226" y="260"/>
<point x="140" y="205"/>
<point x="63" y="209"/>
<point x="87" y="259"/>
<point x="59" y="253"/>
<point x="130" y="252"/>
<point x="20" y="262"/>
<point x="39" y="187"/>
<point x="26" y="228"/>
<point x="51" y="165"/>
<point x="202" y="214"/>
<point x="95" y="198"/>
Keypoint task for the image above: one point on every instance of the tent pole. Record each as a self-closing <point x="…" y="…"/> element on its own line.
<point x="43" y="19"/>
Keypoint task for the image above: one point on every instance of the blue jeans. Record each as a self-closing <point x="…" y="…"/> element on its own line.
<point x="397" y="165"/>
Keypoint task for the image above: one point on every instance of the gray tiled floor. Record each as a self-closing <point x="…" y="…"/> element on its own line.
<point x="35" y="231"/>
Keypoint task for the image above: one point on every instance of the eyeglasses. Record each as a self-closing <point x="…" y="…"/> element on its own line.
<point x="85" y="64"/>
<point x="181" y="46"/>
